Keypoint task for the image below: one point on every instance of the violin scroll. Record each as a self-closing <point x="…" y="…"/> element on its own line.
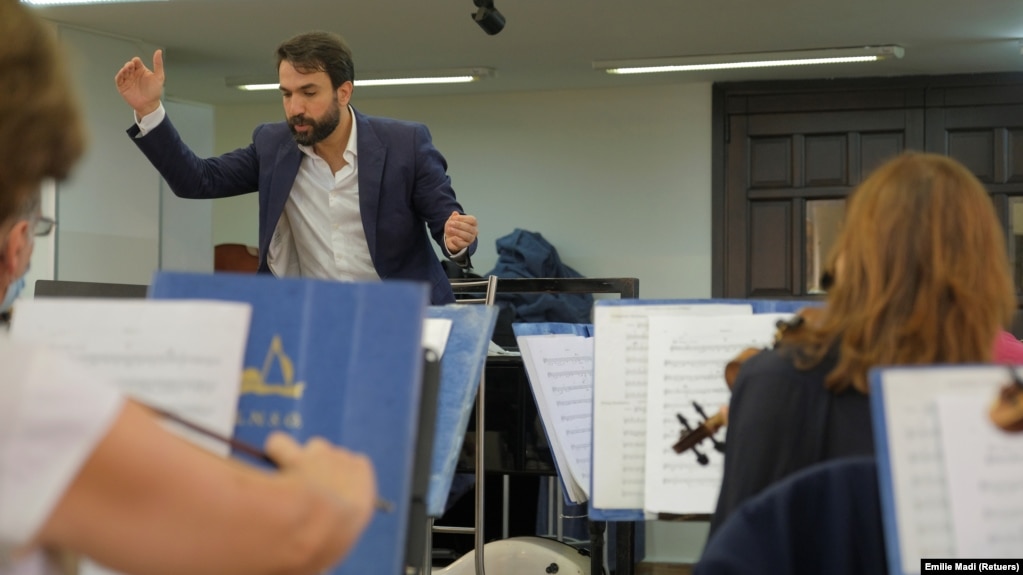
<point x="691" y="437"/>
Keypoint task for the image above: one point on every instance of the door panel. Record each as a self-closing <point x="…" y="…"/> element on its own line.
<point x="770" y="249"/>
<point x="770" y="161"/>
<point x="827" y="160"/>
<point x="877" y="147"/>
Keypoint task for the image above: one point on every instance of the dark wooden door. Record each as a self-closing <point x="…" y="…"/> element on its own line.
<point x="781" y="154"/>
<point x="781" y="146"/>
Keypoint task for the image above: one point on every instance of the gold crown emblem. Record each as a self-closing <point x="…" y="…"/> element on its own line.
<point x="254" y="380"/>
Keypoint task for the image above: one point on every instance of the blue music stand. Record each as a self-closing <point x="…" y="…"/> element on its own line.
<point x="461" y="367"/>
<point x="449" y="389"/>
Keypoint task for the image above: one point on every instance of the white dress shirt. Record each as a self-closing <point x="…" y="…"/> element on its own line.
<point x="320" y="233"/>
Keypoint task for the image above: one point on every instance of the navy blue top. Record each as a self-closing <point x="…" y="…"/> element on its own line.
<point x="780" y="420"/>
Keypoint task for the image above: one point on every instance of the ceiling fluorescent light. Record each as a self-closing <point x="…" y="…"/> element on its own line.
<point x="255" y="87"/>
<point x="750" y="60"/>
<point x="68" y="2"/>
<point x="414" y="81"/>
<point x="368" y="79"/>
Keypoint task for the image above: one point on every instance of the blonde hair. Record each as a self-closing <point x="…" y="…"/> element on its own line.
<point x="921" y="274"/>
<point x="41" y="134"/>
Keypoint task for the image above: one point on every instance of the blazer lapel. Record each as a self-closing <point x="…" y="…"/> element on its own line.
<point x="282" y="178"/>
<point x="371" y="156"/>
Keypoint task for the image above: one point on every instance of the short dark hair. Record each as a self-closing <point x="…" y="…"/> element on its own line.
<point x="41" y="133"/>
<point x="319" y="52"/>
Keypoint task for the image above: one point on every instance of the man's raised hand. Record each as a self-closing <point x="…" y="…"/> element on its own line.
<point x="141" y="87"/>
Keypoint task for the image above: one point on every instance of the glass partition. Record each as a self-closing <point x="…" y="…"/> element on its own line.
<point x="823" y="222"/>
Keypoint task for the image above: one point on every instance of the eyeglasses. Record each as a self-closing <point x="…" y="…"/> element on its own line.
<point x="42" y="226"/>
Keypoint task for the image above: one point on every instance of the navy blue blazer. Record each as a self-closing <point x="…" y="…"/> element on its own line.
<point x="403" y="184"/>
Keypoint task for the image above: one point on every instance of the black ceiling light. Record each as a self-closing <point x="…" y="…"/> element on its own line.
<point x="488" y="17"/>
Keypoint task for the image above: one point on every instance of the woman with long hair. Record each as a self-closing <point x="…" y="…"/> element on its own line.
<point x="921" y="276"/>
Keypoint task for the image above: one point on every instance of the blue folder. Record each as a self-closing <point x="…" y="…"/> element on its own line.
<point x="758" y="306"/>
<point x="338" y="360"/>
<point x="461" y="367"/>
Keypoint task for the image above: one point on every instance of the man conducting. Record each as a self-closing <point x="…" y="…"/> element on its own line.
<point x="342" y="195"/>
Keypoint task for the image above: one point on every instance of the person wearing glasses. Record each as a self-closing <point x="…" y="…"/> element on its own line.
<point x="41" y="226"/>
<point x="84" y="470"/>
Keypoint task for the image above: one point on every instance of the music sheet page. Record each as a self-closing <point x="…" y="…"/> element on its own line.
<point x="560" y="370"/>
<point x="923" y="515"/>
<point x="181" y="356"/>
<point x="620" y="396"/>
<point x="435" y="334"/>
<point x="686" y="366"/>
<point x="984" y="475"/>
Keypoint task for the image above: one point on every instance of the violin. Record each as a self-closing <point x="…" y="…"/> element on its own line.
<point x="691" y="437"/>
<point x="1007" y="411"/>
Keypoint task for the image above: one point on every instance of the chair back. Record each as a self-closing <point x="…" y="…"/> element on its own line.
<point x="235" y="258"/>
<point x="823" y="519"/>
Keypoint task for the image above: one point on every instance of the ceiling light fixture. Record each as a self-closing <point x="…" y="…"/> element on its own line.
<point x="750" y="60"/>
<point x="405" y="78"/>
<point x="69" y="2"/>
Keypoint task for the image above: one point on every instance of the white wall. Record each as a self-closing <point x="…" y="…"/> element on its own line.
<point x="618" y="180"/>
<point x="108" y="211"/>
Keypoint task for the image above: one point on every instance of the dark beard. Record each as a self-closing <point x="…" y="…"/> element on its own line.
<point x="321" y="128"/>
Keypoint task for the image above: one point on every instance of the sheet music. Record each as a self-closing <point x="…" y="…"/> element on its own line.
<point x="560" y="370"/>
<point x="182" y="356"/>
<point x="687" y="358"/>
<point x="923" y="514"/>
<point x="620" y="396"/>
<point x="984" y="476"/>
<point x="435" y="334"/>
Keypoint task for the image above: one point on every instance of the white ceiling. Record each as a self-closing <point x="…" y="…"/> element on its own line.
<point x="551" y="44"/>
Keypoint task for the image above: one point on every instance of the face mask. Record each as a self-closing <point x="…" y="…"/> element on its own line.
<point x="13" y="291"/>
